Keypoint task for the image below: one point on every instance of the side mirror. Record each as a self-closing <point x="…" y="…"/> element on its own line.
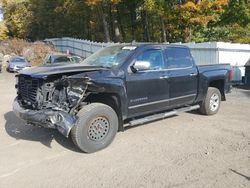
<point x="140" y="66"/>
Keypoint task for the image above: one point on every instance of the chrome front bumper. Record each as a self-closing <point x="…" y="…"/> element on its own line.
<point x="48" y="118"/>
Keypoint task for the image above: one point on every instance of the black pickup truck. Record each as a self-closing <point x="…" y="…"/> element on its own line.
<point x="118" y="86"/>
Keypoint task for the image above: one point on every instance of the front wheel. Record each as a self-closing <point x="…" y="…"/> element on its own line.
<point x="211" y="103"/>
<point x="96" y="127"/>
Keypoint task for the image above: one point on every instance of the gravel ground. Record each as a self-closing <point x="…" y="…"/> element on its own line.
<point x="189" y="150"/>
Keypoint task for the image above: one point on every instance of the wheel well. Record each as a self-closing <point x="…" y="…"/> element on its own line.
<point x="109" y="99"/>
<point x="219" y="84"/>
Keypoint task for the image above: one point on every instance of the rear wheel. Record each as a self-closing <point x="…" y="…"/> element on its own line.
<point x="96" y="127"/>
<point x="211" y="103"/>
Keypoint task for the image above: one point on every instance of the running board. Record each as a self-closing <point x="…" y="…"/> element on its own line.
<point x="162" y="115"/>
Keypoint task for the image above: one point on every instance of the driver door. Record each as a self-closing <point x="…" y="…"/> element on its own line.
<point x="148" y="90"/>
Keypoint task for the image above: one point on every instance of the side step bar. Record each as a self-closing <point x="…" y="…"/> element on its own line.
<point x="162" y="115"/>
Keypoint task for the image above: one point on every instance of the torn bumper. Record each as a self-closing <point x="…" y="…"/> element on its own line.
<point x="48" y="118"/>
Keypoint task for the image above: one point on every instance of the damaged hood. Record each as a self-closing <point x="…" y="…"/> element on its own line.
<point x="44" y="71"/>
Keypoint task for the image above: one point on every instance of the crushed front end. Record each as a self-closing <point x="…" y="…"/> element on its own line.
<point x="51" y="103"/>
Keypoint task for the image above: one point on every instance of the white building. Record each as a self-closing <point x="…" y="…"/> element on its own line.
<point x="220" y="52"/>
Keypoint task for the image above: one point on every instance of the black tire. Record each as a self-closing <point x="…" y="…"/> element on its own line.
<point x="96" y="127"/>
<point x="212" y="109"/>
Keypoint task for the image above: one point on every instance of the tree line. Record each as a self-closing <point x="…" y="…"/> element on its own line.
<point x="128" y="20"/>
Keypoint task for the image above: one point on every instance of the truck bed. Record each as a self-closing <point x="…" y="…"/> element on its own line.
<point x="215" y="67"/>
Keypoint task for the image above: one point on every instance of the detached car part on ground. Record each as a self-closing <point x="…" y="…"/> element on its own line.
<point x="117" y="86"/>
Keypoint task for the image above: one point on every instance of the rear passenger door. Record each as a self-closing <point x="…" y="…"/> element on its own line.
<point x="183" y="76"/>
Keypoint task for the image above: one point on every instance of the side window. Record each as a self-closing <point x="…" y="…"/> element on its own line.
<point x="178" y="58"/>
<point x="154" y="57"/>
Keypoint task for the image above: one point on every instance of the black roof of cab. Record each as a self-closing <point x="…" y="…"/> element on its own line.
<point x="151" y="44"/>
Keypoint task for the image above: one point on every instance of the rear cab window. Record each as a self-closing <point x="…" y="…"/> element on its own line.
<point x="178" y="57"/>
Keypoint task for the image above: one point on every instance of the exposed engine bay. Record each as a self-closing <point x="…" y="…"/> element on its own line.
<point x="51" y="103"/>
<point x="57" y="94"/>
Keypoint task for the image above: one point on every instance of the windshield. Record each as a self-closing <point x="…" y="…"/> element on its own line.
<point x="18" y="59"/>
<point x="110" y="56"/>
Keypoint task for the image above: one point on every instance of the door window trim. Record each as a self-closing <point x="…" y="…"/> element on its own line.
<point x="164" y="56"/>
<point x="182" y="68"/>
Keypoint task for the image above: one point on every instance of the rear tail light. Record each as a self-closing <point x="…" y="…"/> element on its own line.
<point x="231" y="73"/>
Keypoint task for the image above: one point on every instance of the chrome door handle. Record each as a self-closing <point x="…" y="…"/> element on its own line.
<point x="192" y="74"/>
<point x="164" y="77"/>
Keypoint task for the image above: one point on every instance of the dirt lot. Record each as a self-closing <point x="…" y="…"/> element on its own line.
<point x="189" y="150"/>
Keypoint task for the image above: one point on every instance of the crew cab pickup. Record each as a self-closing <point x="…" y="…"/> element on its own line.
<point x="118" y="86"/>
